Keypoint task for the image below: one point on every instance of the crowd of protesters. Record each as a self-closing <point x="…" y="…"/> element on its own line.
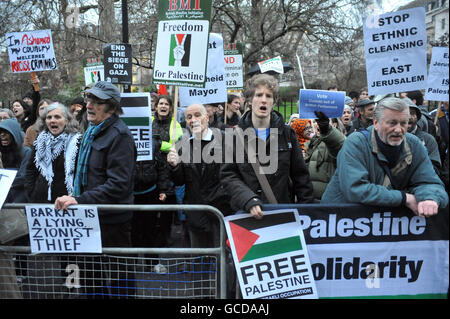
<point x="83" y="153"/>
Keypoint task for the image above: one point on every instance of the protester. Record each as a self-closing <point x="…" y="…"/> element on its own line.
<point x="202" y="177"/>
<point x="51" y="170"/>
<point x="240" y="179"/>
<point x="21" y="111"/>
<point x="304" y="131"/>
<point x="425" y="123"/>
<point x="441" y="121"/>
<point x="427" y="139"/>
<point x="104" y="175"/>
<point x="321" y="153"/>
<point x="365" y="118"/>
<point x="6" y="114"/>
<point x="213" y="119"/>
<point x="232" y="112"/>
<point x="163" y="123"/>
<point x="347" y="118"/>
<point x="363" y="94"/>
<point x="31" y="100"/>
<point x="14" y="156"/>
<point x="152" y="183"/>
<point x="386" y="166"/>
<point x="32" y="131"/>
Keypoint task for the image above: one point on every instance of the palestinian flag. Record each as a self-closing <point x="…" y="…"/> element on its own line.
<point x="272" y="235"/>
<point x="183" y="40"/>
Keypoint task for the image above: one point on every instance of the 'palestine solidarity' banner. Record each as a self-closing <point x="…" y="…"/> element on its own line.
<point x="360" y="252"/>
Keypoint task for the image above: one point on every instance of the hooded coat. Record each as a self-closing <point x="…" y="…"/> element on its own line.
<point x="290" y="179"/>
<point x="17" y="191"/>
<point x="360" y="179"/>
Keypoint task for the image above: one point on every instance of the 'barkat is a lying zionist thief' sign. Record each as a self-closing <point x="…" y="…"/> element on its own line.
<point x="270" y="255"/>
<point x="395" y="49"/>
<point x="182" y="45"/>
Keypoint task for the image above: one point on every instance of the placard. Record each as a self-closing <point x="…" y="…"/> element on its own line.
<point x="395" y="50"/>
<point x="215" y="90"/>
<point x="75" y="230"/>
<point x="270" y="256"/>
<point x="118" y="63"/>
<point x="138" y="116"/>
<point x="274" y="64"/>
<point x="234" y="74"/>
<point x="182" y="45"/>
<point x="437" y="86"/>
<point x="6" y="179"/>
<point x="31" y="51"/>
<point x="329" y="102"/>
<point x="94" y="71"/>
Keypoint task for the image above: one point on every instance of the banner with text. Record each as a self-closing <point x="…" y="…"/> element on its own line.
<point x="31" y="51"/>
<point x="274" y="64"/>
<point x="118" y="66"/>
<point x="270" y="256"/>
<point x="437" y="87"/>
<point x="75" y="230"/>
<point x="182" y="44"/>
<point x="234" y="74"/>
<point x="375" y="252"/>
<point x="395" y="49"/>
<point x="329" y="102"/>
<point x="138" y="116"/>
<point x="215" y="90"/>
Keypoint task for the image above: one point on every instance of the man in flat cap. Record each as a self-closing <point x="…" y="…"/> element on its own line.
<point x="105" y="166"/>
<point x="366" y="108"/>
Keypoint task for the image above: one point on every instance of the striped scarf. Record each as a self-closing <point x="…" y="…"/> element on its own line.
<point x="83" y="156"/>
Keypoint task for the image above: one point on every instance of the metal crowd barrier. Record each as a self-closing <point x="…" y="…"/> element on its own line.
<point x="193" y="273"/>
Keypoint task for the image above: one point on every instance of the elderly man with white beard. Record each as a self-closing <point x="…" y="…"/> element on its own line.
<point x="386" y="166"/>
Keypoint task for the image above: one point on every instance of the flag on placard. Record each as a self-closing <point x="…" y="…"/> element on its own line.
<point x="255" y="239"/>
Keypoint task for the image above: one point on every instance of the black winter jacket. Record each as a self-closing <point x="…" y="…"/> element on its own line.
<point x="290" y="179"/>
<point x="202" y="180"/>
<point x="110" y="171"/>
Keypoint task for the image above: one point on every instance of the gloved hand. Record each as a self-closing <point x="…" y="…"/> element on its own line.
<point x="323" y="121"/>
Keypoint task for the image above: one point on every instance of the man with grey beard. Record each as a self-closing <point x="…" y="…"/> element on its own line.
<point x="386" y="166"/>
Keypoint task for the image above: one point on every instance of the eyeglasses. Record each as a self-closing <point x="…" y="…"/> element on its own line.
<point x="308" y="128"/>
<point x="2" y="118"/>
<point x="94" y="101"/>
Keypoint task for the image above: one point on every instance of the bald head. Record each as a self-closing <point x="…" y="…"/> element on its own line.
<point x="197" y="119"/>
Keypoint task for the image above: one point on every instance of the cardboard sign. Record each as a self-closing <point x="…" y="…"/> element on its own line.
<point x="274" y="64"/>
<point x="182" y="45"/>
<point x="118" y="64"/>
<point x="75" y="230"/>
<point x="137" y="115"/>
<point x="395" y="49"/>
<point x="437" y="87"/>
<point x="270" y="256"/>
<point x="329" y="102"/>
<point x="215" y="90"/>
<point x="94" y="71"/>
<point x="234" y="66"/>
<point x="31" y="51"/>
<point x="6" y="179"/>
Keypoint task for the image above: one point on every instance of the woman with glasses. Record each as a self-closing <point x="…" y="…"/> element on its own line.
<point x="6" y="114"/>
<point x="304" y="130"/>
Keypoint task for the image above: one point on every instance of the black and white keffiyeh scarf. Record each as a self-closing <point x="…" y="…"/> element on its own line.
<point x="48" y="148"/>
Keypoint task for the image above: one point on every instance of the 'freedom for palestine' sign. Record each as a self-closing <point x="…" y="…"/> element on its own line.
<point x="182" y="45"/>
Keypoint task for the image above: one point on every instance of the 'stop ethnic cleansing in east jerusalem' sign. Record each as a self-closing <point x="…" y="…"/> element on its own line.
<point x="395" y="48"/>
<point x="182" y="46"/>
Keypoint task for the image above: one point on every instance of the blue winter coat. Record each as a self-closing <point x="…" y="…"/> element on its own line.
<point x="359" y="178"/>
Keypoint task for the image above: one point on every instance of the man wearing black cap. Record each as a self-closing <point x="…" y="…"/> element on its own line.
<point x="105" y="166"/>
<point x="366" y="108"/>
